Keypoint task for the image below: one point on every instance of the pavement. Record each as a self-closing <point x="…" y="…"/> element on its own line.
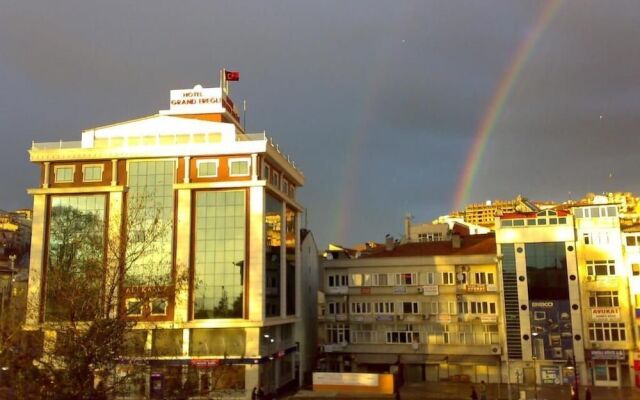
<point x="460" y="391"/>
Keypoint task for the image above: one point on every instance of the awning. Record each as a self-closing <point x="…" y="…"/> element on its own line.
<point x="375" y="358"/>
<point x="475" y="360"/>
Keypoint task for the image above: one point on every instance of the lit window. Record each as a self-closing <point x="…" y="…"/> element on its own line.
<point x="159" y="307"/>
<point x="92" y="173"/>
<point x="134" y="307"/>
<point x="207" y="168"/>
<point x="239" y="167"/>
<point x="64" y="174"/>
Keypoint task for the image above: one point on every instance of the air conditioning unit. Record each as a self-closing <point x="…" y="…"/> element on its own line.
<point x="420" y="289"/>
<point x="591" y="278"/>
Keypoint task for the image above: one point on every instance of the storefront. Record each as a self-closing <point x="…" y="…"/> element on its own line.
<point x="609" y="367"/>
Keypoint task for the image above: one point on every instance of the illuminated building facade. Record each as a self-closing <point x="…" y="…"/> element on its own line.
<point x="229" y="200"/>
<point x="430" y="311"/>
<point x="543" y="311"/>
<point x="604" y="278"/>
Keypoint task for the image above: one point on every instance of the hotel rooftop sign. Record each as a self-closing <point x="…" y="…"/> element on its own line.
<point x="198" y="100"/>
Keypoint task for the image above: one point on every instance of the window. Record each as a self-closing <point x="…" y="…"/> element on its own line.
<point x="586" y="237"/>
<point x="429" y="278"/>
<point x="604" y="298"/>
<point x="334" y="308"/>
<point x="635" y="269"/>
<point x="275" y="179"/>
<point x="360" y="280"/>
<point x="238" y="167"/>
<point x="92" y="173"/>
<point x="601" y="267"/>
<point x="447" y="308"/>
<point x="596" y="212"/>
<point x="463" y="307"/>
<point x="406" y="279"/>
<point x="380" y="280"/>
<point x="482" y="307"/>
<point x="207" y="168"/>
<point x="632" y="241"/>
<point x="409" y="307"/>
<point x="363" y="334"/>
<point x="360" y="308"/>
<point x="607" y="332"/>
<point x="384" y="307"/>
<point x="447" y="278"/>
<point x="64" y="174"/>
<point x="158" y="307"/>
<point x="337" y="333"/>
<point x="266" y="172"/>
<point x="285" y="186"/>
<point x="134" y="307"/>
<point x="403" y="334"/>
<point x="484" y="278"/>
<point x="338" y="280"/>
<point x="430" y="237"/>
<point x="431" y="308"/>
<point x="539" y="315"/>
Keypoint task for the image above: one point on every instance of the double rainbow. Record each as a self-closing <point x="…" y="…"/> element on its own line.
<point x="496" y="106"/>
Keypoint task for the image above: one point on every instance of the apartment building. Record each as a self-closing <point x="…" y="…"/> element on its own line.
<point x="428" y="311"/>
<point x="605" y="276"/>
<point x="229" y="200"/>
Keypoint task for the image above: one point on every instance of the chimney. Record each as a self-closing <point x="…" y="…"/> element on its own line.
<point x="456" y="241"/>
<point x="389" y="243"/>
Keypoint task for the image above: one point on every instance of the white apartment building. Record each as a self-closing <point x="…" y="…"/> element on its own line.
<point x="428" y="311"/>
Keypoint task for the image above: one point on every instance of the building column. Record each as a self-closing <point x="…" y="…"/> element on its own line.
<point x="114" y="172"/>
<point x="47" y="168"/>
<point x="187" y="169"/>
<point x="256" y="275"/>
<point x="283" y="260"/>
<point x="183" y="253"/>
<point x="36" y="260"/>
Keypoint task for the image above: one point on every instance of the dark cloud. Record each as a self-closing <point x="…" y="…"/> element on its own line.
<point x="376" y="101"/>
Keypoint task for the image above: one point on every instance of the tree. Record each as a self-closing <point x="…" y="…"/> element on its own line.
<point x="92" y="267"/>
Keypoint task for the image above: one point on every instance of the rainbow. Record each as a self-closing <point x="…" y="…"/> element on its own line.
<point x="496" y="106"/>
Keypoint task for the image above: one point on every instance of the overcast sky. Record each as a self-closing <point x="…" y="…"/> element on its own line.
<point x="376" y="101"/>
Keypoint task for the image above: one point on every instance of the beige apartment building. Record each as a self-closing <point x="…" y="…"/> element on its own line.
<point x="229" y="200"/>
<point x="428" y="311"/>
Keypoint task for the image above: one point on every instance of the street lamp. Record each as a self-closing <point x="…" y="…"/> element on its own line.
<point x="571" y="364"/>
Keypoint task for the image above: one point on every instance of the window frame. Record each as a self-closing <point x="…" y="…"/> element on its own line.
<point x="151" y="307"/>
<point x="239" y="160"/>
<point x="207" y="161"/>
<point x="84" y="172"/>
<point x="57" y="168"/>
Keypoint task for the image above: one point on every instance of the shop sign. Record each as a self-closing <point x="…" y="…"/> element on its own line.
<point x="399" y="289"/>
<point x="206" y="363"/>
<point x="488" y="319"/>
<point x="385" y="318"/>
<point x="605" y="313"/>
<point x="550" y="374"/>
<point x="345" y="379"/>
<point x="430" y="290"/>
<point x="541" y="304"/>
<point x="476" y="288"/>
<point x="620" y="355"/>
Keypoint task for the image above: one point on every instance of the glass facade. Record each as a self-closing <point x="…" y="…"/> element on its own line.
<point x="75" y="257"/>
<point x="220" y="223"/>
<point x="150" y="222"/>
<point x="547" y="271"/>
<point x="273" y="241"/>
<point x="548" y="288"/>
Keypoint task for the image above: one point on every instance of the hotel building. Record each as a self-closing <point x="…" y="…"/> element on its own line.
<point x="428" y="311"/>
<point x="229" y="200"/>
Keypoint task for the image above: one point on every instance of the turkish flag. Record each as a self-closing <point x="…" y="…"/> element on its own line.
<point x="232" y="75"/>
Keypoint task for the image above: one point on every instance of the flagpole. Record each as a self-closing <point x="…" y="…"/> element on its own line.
<point x="222" y="78"/>
<point x="244" y="115"/>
